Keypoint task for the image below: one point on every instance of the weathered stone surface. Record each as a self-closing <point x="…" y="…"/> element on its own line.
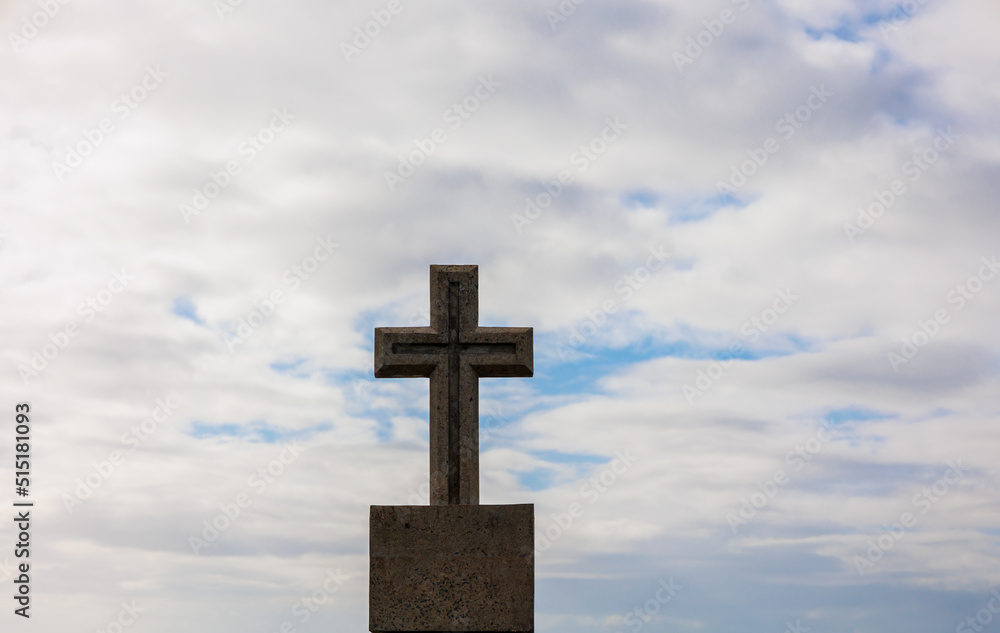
<point x="454" y="352"/>
<point x="452" y="568"/>
<point x="453" y="565"/>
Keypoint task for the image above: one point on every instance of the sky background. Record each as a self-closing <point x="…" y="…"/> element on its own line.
<point x="764" y="299"/>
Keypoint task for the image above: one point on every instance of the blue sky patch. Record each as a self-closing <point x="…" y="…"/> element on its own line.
<point x="849" y="29"/>
<point x="184" y="307"/>
<point x="646" y="199"/>
<point x="856" y="414"/>
<point x="682" y="208"/>
<point x="841" y="32"/>
<point x="535" y="480"/>
<point x="288" y="367"/>
<point x="256" y="431"/>
<point x="703" y="208"/>
<point x="585" y="365"/>
<point x="362" y="390"/>
<point x="558" y="457"/>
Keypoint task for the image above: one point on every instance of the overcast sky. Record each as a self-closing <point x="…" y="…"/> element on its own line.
<point x="757" y="243"/>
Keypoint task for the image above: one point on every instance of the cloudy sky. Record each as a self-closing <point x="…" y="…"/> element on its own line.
<point x="757" y="243"/>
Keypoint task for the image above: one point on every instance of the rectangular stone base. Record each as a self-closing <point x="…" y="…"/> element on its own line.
<point x="452" y="568"/>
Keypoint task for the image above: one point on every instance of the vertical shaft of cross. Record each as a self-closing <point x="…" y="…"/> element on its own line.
<point x="455" y="430"/>
<point x="454" y="352"/>
<point x="454" y="406"/>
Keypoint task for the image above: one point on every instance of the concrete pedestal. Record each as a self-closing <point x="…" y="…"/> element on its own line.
<point x="452" y="568"/>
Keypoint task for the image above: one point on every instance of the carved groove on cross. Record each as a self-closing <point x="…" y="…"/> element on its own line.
<point x="454" y="352"/>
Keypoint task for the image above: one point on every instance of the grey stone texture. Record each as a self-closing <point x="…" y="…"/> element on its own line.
<point x="452" y="568"/>
<point x="453" y="565"/>
<point x="454" y="352"/>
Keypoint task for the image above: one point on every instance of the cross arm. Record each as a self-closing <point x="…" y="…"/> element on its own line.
<point x="390" y="363"/>
<point x="507" y="352"/>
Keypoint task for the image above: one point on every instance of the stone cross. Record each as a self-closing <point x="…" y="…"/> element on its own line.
<point x="453" y="565"/>
<point x="454" y="352"/>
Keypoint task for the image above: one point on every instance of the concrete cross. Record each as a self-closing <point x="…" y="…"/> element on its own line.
<point x="454" y="352"/>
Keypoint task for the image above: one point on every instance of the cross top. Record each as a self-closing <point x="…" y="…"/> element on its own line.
<point x="454" y="352"/>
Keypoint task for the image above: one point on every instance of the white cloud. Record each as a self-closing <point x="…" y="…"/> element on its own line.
<point x="304" y="374"/>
